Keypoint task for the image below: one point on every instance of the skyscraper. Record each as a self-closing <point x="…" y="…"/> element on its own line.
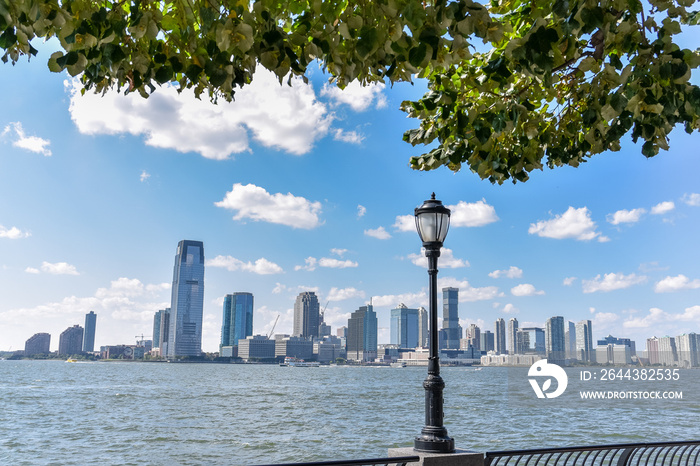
<point x="237" y="319"/>
<point x="474" y="337"/>
<point x="450" y="317"/>
<point x="404" y="327"/>
<point x="570" y="340"/>
<point x="71" y="341"/>
<point x="422" y="327"/>
<point x="306" y="314"/>
<point x="187" y="303"/>
<point x="164" y="332"/>
<point x="362" y="334"/>
<point x="89" y="338"/>
<point x="555" y="339"/>
<point x="487" y="341"/>
<point x="500" y="336"/>
<point x="584" y="341"/>
<point x="512" y="336"/>
<point x="157" y="318"/>
<point x="38" y="343"/>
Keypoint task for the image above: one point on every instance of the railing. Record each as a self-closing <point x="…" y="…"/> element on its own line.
<point x="631" y="454"/>
<point x="396" y="461"/>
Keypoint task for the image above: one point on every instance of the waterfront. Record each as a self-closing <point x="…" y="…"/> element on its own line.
<point x="53" y="412"/>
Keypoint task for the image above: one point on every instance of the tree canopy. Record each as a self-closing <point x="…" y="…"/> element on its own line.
<point x="513" y="85"/>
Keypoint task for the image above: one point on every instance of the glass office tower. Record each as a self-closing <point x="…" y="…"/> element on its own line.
<point x="187" y="300"/>
<point x="237" y="318"/>
<point x="89" y="339"/>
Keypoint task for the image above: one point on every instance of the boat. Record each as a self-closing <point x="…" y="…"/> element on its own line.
<point x="291" y="361"/>
<point x="71" y="360"/>
<point x="398" y="364"/>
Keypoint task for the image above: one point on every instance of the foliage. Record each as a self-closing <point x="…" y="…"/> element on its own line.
<point x="562" y="80"/>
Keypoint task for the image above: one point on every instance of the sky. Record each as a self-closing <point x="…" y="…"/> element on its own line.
<point x="307" y="188"/>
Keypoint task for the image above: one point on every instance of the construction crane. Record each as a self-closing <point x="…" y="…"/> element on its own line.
<point x="273" y="327"/>
<point x="142" y="339"/>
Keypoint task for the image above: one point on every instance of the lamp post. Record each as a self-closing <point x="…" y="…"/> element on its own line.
<point x="432" y="222"/>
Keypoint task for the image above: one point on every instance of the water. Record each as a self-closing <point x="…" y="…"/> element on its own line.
<point x="52" y="412"/>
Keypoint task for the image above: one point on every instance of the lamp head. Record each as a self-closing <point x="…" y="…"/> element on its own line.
<point x="432" y="222"/>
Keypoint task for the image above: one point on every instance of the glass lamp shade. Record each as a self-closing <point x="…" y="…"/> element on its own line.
<point x="432" y="221"/>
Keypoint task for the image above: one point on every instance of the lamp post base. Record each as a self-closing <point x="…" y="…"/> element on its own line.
<point x="434" y="443"/>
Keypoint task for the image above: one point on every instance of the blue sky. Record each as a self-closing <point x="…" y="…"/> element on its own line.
<point x="308" y="188"/>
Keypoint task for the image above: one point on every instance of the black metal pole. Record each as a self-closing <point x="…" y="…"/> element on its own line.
<point x="434" y="436"/>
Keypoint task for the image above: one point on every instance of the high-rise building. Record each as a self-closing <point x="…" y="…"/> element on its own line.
<point x="89" y="337"/>
<point x="450" y="318"/>
<point x="164" y="333"/>
<point x="668" y="353"/>
<point x="570" y="340"/>
<point x="71" y="341"/>
<point x="324" y="330"/>
<point x="554" y="339"/>
<point x="362" y="334"/>
<point x="687" y="349"/>
<point x="513" y="336"/>
<point x="38" y="343"/>
<point x="474" y="337"/>
<point x="486" y="341"/>
<point x="404" y="327"/>
<point x="422" y="327"/>
<point x="237" y="321"/>
<point x="157" y="318"/>
<point x="653" y="350"/>
<point x="530" y="340"/>
<point x="187" y="304"/>
<point x="306" y="315"/>
<point x="500" y="336"/>
<point x="584" y="341"/>
<point x="611" y="340"/>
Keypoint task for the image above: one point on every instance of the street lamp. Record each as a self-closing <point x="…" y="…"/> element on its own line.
<point x="432" y="222"/>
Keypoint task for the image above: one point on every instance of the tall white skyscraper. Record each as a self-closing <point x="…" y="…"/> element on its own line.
<point x="187" y="302"/>
<point x="500" y="336"/>
<point x="422" y="327"/>
<point x="512" y="335"/>
<point x="584" y="341"/>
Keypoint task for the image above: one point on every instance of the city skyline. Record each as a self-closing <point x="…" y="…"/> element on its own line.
<point x="307" y="189"/>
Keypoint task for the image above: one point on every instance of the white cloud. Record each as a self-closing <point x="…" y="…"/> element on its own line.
<point x="568" y="281"/>
<point x="663" y="208"/>
<point x="351" y="137"/>
<point x="474" y="214"/>
<point x="341" y="294"/>
<point x="361" y="211"/>
<point x="125" y="300"/>
<point x="409" y="299"/>
<point x="604" y="319"/>
<point x="31" y="143"/>
<point x="525" y="289"/>
<point x="379" y="233"/>
<point x="288" y="118"/>
<point x="625" y="216"/>
<point x="677" y="283"/>
<point x="510" y="309"/>
<point x="310" y="264"/>
<point x="447" y="259"/>
<point x="253" y="202"/>
<point x="339" y="252"/>
<point x="57" y="268"/>
<point x="32" y="270"/>
<point x="512" y="272"/>
<point x="692" y="199"/>
<point x="144" y="176"/>
<point x="574" y="223"/>
<point x="336" y="264"/>
<point x="655" y="316"/>
<point x="261" y="266"/>
<point x="469" y="293"/>
<point x="612" y="281"/>
<point x="357" y="96"/>
<point x="13" y="233"/>
<point x="405" y="223"/>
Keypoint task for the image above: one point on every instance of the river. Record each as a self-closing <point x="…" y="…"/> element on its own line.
<point x="53" y="412"/>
